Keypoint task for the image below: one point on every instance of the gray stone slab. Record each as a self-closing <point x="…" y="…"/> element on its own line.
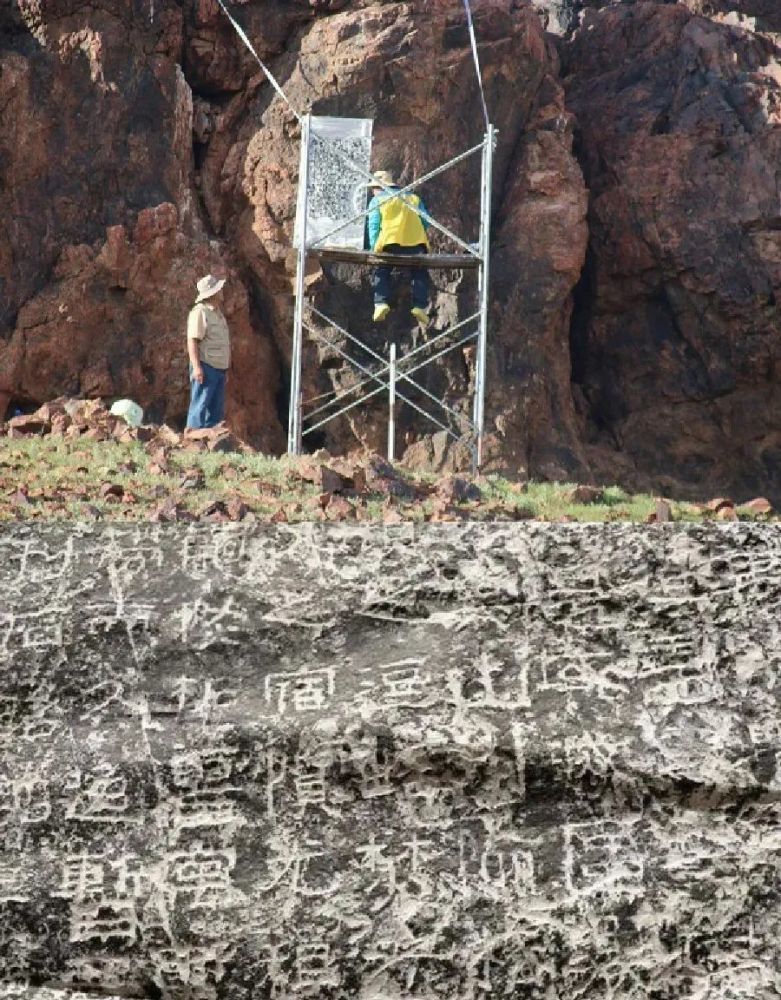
<point x="456" y="761"/>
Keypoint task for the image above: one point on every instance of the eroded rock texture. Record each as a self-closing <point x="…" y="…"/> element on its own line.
<point x="457" y="763"/>
<point x="142" y="146"/>
<point x="676" y="346"/>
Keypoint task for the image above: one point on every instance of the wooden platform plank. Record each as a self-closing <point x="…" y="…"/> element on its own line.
<point x="339" y="255"/>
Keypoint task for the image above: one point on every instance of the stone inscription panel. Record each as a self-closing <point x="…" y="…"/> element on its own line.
<point x="463" y="762"/>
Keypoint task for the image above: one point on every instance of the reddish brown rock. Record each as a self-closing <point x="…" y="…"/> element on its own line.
<point x="167" y="436"/>
<point x="193" y="478"/>
<point x="672" y="326"/>
<point x="21" y="497"/>
<point x="171" y="511"/>
<point x="98" y="270"/>
<point x="339" y="508"/>
<point x="585" y="495"/>
<point x="218" y="438"/>
<point x="31" y="424"/>
<point x="60" y="423"/>
<point x="107" y="490"/>
<point x="719" y="503"/>
<point x="390" y="515"/>
<point x="332" y="482"/>
<point x="675" y="341"/>
<point x="248" y="177"/>
<point x="453" y="489"/>
<point x="236" y="509"/>
<point x="759" y="505"/>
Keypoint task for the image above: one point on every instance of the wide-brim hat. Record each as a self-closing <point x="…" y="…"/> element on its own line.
<point x="382" y="178"/>
<point x="209" y="286"/>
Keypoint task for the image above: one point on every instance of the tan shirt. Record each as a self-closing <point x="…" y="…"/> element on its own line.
<point x="208" y="326"/>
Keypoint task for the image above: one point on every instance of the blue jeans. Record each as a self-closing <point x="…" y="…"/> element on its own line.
<point x="207" y="401"/>
<point x="420" y="280"/>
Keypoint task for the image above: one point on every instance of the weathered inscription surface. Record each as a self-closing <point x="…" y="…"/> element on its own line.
<point x="463" y="762"/>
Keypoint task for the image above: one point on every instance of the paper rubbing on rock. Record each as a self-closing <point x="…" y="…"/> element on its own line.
<point x="470" y="762"/>
<point x="339" y="167"/>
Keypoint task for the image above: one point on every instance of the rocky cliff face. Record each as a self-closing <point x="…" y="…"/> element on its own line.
<point x="676" y="345"/>
<point x="636" y="216"/>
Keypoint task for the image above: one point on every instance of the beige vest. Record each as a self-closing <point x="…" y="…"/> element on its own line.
<point x="208" y="326"/>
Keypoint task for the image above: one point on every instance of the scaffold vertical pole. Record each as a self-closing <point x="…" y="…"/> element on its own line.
<point x="294" y="418"/>
<point x="392" y="405"/>
<point x="486" y="186"/>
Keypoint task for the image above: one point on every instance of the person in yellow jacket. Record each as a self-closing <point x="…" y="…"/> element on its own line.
<point x="395" y="226"/>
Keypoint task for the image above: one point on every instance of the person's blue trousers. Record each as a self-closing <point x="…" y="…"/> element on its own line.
<point x="420" y="279"/>
<point x="207" y="401"/>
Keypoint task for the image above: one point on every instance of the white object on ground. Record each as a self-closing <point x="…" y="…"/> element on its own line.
<point x="131" y="412"/>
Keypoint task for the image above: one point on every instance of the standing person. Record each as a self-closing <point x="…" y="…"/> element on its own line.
<point x="397" y="224"/>
<point x="208" y="348"/>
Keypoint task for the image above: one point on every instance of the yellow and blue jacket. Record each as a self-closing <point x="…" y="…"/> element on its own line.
<point x="394" y="220"/>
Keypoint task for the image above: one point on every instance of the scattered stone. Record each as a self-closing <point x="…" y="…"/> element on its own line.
<point x="157" y="491"/>
<point x="21" y="497"/>
<point x="331" y="481"/>
<point x="726" y="514"/>
<point x="193" y="479"/>
<point x="304" y="470"/>
<point x="441" y="512"/>
<point x="218" y="439"/>
<point x="359" y="480"/>
<point x="522" y="513"/>
<point x="96" y="434"/>
<point x="217" y="517"/>
<point x="279" y="516"/>
<point x="74" y="407"/>
<point x="171" y="511"/>
<point x="585" y="495"/>
<point x="390" y="515"/>
<point x="236" y="509"/>
<point x="54" y="408"/>
<point x="90" y="511"/>
<point x="339" y="508"/>
<point x="194" y="446"/>
<point x="60" y="423"/>
<point x="107" y="490"/>
<point x="29" y="423"/>
<point x="453" y="489"/>
<point x="760" y="506"/>
<point x="167" y="435"/>
<point x="718" y="504"/>
<point x="378" y="467"/>
<point x="362" y="512"/>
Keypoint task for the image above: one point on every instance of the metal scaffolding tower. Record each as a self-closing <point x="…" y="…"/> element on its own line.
<point x="393" y="371"/>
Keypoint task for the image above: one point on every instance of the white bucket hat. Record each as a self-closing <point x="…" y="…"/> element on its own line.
<point x="382" y="178"/>
<point x="209" y="286"/>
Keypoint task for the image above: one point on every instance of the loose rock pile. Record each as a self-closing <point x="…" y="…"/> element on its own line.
<point x="91" y="419"/>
